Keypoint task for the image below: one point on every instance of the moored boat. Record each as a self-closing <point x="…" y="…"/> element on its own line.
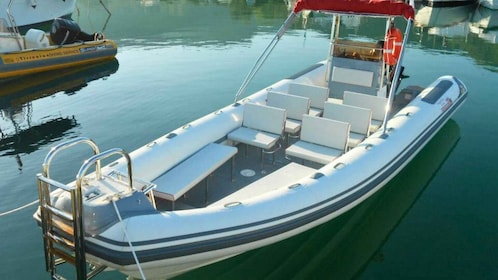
<point x="37" y="51"/>
<point x="484" y="23"/>
<point x="34" y="12"/>
<point x="271" y="165"/>
<point x="429" y="17"/>
<point x="447" y="3"/>
<point x="490" y="4"/>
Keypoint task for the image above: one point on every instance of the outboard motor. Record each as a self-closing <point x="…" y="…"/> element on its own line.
<point x="66" y="31"/>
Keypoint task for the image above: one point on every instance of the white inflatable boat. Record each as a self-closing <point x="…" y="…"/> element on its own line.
<point x="278" y="162"/>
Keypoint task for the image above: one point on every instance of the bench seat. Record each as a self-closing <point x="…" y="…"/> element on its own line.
<point x="313" y="152"/>
<point x="317" y="95"/>
<point x="262" y="127"/>
<point x="295" y="107"/>
<point x="375" y="103"/>
<point x="261" y="139"/>
<point x="359" y="119"/>
<point x="322" y="140"/>
<point x="188" y="173"/>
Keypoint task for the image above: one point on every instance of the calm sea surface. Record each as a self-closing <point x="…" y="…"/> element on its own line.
<point x="179" y="60"/>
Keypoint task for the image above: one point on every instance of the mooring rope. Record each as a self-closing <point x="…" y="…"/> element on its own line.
<point x="128" y="239"/>
<point x="18" y="208"/>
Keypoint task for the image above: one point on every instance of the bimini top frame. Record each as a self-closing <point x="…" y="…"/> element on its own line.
<point x="370" y="8"/>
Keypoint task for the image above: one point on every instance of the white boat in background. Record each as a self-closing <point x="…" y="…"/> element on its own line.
<point x="280" y="161"/>
<point x="428" y="17"/>
<point x="484" y="23"/>
<point x="447" y="3"/>
<point x="32" y="12"/>
<point x="490" y="4"/>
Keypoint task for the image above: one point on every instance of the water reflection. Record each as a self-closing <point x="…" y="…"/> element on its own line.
<point x="341" y="248"/>
<point x="183" y="22"/>
<point x="20" y="133"/>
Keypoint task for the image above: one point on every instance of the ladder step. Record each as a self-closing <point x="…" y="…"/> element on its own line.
<point x="59" y="213"/>
<point x="60" y="226"/>
<point x="58" y="277"/>
<point x="63" y="255"/>
<point x="61" y="241"/>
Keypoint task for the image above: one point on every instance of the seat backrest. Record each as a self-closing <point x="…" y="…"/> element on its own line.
<point x="318" y="95"/>
<point x="375" y="103"/>
<point x="264" y="118"/>
<point x="325" y="132"/>
<point x="296" y="106"/>
<point x="352" y="76"/>
<point x="359" y="118"/>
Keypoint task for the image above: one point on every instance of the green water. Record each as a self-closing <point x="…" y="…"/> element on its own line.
<point x="179" y="60"/>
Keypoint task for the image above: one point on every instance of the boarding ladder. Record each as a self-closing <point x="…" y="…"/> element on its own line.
<point x="63" y="232"/>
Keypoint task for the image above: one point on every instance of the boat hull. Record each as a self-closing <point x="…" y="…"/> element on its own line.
<point x="490" y="4"/>
<point x="179" y="241"/>
<point x="32" y="61"/>
<point x="28" y="13"/>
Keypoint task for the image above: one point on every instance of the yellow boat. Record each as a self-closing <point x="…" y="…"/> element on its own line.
<point x="37" y="51"/>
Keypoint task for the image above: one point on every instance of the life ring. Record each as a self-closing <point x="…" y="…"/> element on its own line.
<point x="392" y="46"/>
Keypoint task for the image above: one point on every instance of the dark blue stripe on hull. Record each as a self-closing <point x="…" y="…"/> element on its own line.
<point x="124" y="258"/>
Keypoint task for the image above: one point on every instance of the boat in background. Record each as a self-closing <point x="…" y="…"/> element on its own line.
<point x="484" y="23"/>
<point x="447" y="3"/>
<point x="444" y="22"/>
<point x="490" y="4"/>
<point x="24" y="13"/>
<point x="37" y="51"/>
<point x="429" y="17"/>
<point x="268" y="166"/>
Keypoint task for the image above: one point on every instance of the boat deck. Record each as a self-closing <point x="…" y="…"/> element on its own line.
<point x="228" y="178"/>
<point x="245" y="168"/>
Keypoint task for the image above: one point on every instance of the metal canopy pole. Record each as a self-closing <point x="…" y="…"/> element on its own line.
<point x="397" y="73"/>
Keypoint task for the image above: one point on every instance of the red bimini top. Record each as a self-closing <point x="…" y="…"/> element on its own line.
<point x="373" y="7"/>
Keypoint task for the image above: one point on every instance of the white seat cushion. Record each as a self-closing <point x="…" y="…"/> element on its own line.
<point x="292" y="126"/>
<point x="375" y="125"/>
<point x="315" y="112"/>
<point x="313" y="152"/>
<point x="322" y="140"/>
<point x="260" y="139"/>
<point x="355" y="139"/>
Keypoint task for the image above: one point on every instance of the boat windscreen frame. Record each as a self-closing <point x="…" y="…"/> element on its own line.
<point x="288" y="22"/>
<point x="393" y="83"/>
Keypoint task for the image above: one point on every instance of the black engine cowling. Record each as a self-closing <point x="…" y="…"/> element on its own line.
<point x="66" y="31"/>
